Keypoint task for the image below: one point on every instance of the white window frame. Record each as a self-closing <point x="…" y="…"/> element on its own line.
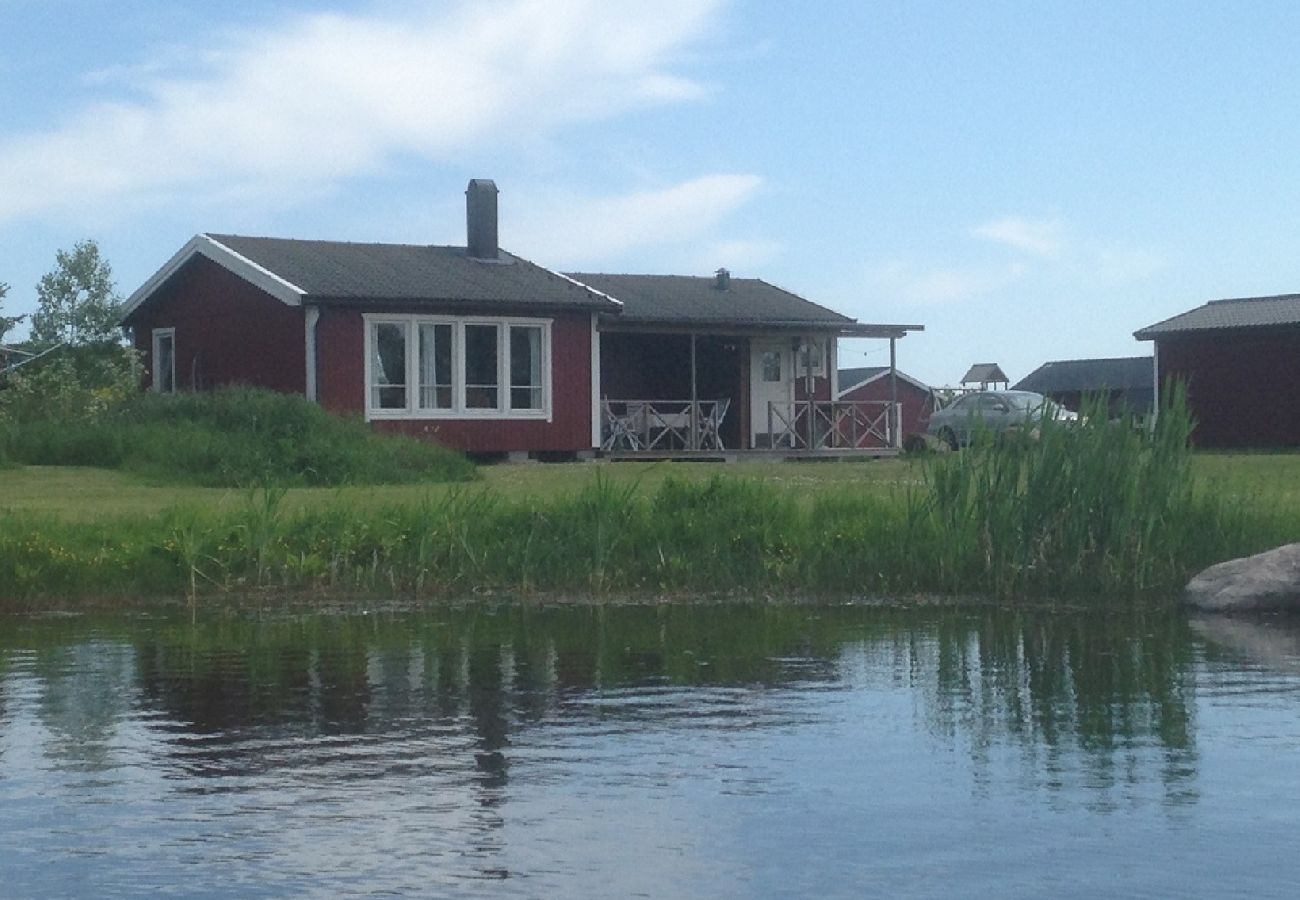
<point x="458" y="410"/>
<point x="158" y="335"/>
<point x="801" y="358"/>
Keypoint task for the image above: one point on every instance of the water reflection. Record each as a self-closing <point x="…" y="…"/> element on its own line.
<point x="506" y="741"/>
<point x="1095" y="683"/>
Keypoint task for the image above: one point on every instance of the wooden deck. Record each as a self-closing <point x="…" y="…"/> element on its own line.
<point x="735" y="456"/>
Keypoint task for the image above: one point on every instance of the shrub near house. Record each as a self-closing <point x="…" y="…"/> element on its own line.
<point x="233" y="437"/>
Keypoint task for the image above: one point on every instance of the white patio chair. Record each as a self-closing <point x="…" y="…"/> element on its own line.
<point x="622" y="431"/>
<point x="711" y="425"/>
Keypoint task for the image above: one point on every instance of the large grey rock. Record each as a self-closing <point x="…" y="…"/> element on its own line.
<point x="1269" y="580"/>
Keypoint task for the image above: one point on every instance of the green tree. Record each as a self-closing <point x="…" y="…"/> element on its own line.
<point x="6" y="322"/>
<point x="78" y="302"/>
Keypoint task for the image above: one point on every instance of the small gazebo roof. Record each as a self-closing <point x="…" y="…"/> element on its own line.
<point x="985" y="373"/>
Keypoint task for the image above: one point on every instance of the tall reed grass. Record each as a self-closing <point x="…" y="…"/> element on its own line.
<point x="1076" y="507"/>
<point x="1100" y="511"/>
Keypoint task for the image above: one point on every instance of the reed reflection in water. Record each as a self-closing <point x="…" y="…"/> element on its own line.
<point x="671" y="750"/>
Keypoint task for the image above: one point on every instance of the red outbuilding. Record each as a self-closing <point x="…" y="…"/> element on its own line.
<point x="881" y="387"/>
<point x="1240" y="361"/>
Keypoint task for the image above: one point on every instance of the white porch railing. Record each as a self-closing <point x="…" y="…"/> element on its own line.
<point x="677" y="425"/>
<point x="832" y="424"/>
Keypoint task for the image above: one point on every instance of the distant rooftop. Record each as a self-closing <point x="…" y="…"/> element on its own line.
<point x="1240" y="312"/>
<point x="856" y="377"/>
<point x="1126" y="373"/>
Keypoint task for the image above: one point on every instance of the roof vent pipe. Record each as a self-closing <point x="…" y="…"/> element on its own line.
<point x="723" y="279"/>
<point x="481" y="219"/>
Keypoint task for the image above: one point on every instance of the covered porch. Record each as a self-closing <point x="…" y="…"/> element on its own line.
<point x="681" y="393"/>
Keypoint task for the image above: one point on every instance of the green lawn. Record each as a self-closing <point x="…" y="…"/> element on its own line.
<point x="87" y="494"/>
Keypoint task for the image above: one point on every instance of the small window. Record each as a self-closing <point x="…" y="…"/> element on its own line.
<point x="816" y="353"/>
<point x="482" y="373"/>
<point x="525" y="367"/>
<point x="435" y="365"/>
<point x="771" y="365"/>
<point x="388" y="367"/>
<point x="164" y="360"/>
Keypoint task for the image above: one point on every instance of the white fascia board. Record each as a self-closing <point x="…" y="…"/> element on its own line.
<point x="584" y="286"/>
<point x="201" y="244"/>
<point x="884" y="374"/>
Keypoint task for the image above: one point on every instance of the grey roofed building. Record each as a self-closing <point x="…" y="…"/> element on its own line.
<point x="1240" y="312"/>
<point x="722" y="301"/>
<point x="341" y="271"/>
<point x="1119" y="373"/>
<point x="1128" y="381"/>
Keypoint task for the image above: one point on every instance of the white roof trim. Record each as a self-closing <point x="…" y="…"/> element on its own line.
<point x="884" y="374"/>
<point x="584" y="285"/>
<point x="201" y="244"/>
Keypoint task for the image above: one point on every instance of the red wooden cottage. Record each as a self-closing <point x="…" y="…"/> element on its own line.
<point x="1240" y="360"/>
<point x="487" y="352"/>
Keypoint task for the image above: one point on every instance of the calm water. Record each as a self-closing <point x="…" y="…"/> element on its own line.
<point x="725" y="751"/>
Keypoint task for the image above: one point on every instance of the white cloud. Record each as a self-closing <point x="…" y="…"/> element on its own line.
<point x="571" y="231"/>
<point x="1038" y="238"/>
<point x="322" y="97"/>
<point x="924" y="286"/>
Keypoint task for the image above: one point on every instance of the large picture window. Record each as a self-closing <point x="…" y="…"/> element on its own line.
<point x="434" y="367"/>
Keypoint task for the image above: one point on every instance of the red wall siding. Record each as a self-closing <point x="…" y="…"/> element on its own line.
<point x="821" y="387"/>
<point x="1241" y="386"/>
<point x="916" y="403"/>
<point x="227" y="331"/>
<point x="340" y="337"/>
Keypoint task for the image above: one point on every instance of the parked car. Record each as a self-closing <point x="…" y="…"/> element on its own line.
<point x="992" y="412"/>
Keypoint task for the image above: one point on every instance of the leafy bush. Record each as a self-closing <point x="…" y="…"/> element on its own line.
<point x="234" y="437"/>
<point x="71" y="384"/>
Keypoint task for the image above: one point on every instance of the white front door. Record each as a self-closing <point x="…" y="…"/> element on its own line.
<point x="771" y="380"/>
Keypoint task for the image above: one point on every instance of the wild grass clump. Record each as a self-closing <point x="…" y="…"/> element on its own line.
<point x="1097" y="511"/>
<point x="234" y="437"/>
<point x="1093" y="507"/>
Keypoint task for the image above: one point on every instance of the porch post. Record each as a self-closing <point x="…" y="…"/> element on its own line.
<point x="1155" y="382"/>
<point x="312" y="317"/>
<point x="695" y="402"/>
<point x="895" y="418"/>
<point x="597" y="408"/>
<point x="808" y="387"/>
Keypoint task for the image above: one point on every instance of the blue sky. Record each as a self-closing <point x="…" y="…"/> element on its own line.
<point x="1028" y="180"/>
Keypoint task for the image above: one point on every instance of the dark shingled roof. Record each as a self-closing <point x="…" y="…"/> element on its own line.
<point x="342" y="271"/>
<point x="690" y="300"/>
<point x="1243" y="312"/>
<point x="1129" y="373"/>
